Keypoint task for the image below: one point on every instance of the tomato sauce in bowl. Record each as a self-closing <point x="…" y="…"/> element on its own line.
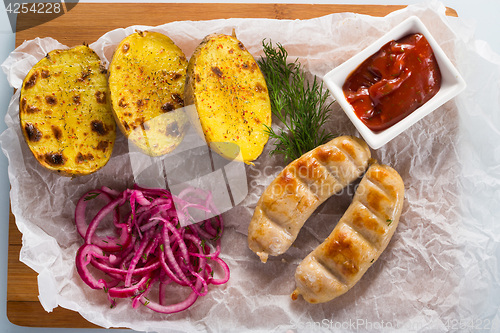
<point x="393" y="82"/>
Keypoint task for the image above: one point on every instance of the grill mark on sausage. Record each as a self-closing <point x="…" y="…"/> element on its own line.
<point x="365" y="223"/>
<point x="343" y="252"/>
<point x="286" y="184"/>
<point x="375" y="197"/>
<point x="324" y="155"/>
<point x="368" y="204"/>
<point x="350" y="152"/>
<point x="276" y="223"/>
<point x="377" y="178"/>
<point x="318" y="178"/>
<point x="331" y="271"/>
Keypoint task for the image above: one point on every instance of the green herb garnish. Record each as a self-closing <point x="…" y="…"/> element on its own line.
<point x="91" y="196"/>
<point x="300" y="105"/>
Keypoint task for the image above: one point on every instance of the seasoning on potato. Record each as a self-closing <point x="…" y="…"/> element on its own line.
<point x="64" y="112"/>
<point x="230" y="95"/>
<point x="146" y="83"/>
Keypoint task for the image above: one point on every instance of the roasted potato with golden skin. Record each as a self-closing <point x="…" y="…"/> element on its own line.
<point x="146" y="81"/>
<point x="65" y="113"/>
<point x="230" y="95"/>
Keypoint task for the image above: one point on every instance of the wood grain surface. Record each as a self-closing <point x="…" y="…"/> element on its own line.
<point x="86" y="23"/>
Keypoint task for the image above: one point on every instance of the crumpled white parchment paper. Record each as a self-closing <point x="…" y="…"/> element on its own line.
<point x="440" y="271"/>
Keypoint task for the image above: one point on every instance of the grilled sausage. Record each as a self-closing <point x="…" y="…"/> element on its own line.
<point x="299" y="189"/>
<point x="357" y="241"/>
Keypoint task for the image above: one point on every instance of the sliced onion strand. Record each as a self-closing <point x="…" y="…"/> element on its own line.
<point x="150" y="246"/>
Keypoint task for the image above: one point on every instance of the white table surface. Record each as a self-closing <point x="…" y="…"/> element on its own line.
<point x="482" y="15"/>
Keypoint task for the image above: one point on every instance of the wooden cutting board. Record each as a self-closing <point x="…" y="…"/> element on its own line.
<point x="86" y="23"/>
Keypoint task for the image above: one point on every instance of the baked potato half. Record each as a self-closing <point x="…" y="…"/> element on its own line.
<point x="146" y="82"/>
<point x="65" y="114"/>
<point x="229" y="93"/>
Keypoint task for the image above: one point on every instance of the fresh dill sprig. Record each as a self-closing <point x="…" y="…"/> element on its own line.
<point x="299" y="104"/>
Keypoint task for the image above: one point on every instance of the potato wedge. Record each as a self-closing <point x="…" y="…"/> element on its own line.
<point x="65" y="114"/>
<point x="146" y="81"/>
<point x="230" y="95"/>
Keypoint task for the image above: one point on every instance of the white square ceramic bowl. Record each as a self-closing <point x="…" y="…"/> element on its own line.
<point x="451" y="83"/>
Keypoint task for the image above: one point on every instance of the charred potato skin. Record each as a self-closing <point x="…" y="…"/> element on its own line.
<point x="64" y="112"/>
<point x="146" y="78"/>
<point x="228" y="98"/>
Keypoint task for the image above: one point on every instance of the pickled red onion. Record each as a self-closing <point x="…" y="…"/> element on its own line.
<point x="150" y="247"/>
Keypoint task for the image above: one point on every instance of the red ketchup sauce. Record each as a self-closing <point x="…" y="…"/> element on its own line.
<point x="393" y="82"/>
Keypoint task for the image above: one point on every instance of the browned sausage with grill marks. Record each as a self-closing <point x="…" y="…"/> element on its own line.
<point x="358" y="239"/>
<point x="300" y="188"/>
